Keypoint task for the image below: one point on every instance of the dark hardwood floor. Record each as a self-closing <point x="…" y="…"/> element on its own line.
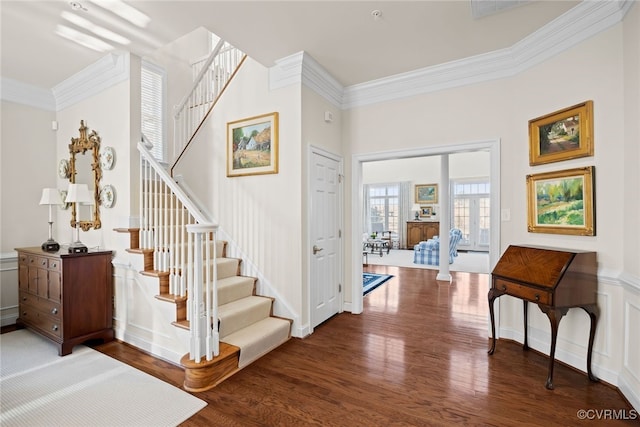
<point x="417" y="356"/>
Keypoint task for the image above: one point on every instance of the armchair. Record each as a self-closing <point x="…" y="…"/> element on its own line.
<point x="429" y="252"/>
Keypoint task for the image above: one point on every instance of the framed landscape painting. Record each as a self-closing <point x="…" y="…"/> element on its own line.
<point x="252" y="145"/>
<point x="427" y="193"/>
<point x="562" y="202"/>
<point x="562" y="135"/>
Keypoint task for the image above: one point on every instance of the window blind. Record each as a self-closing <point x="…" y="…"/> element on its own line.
<point x="153" y="80"/>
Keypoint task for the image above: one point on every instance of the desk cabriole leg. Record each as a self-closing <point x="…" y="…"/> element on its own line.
<point x="492" y="295"/>
<point x="554" y="315"/>
<point x="592" y="311"/>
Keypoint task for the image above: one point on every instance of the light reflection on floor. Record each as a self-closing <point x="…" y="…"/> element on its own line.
<point x="468" y="309"/>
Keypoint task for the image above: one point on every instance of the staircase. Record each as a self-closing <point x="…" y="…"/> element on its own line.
<point x="247" y="327"/>
<point x="230" y="326"/>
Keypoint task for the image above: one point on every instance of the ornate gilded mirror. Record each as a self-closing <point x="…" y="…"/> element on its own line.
<point x="84" y="168"/>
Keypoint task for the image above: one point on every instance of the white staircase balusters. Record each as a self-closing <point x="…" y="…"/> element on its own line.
<point x="213" y="74"/>
<point x="193" y="237"/>
<point x="180" y="234"/>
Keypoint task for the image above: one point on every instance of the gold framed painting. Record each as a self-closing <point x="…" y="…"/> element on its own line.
<point x="562" y="135"/>
<point x="252" y="145"/>
<point x="426" y="193"/>
<point x="562" y="202"/>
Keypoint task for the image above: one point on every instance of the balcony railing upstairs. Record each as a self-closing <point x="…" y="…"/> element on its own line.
<point x="211" y="78"/>
<point x="183" y="241"/>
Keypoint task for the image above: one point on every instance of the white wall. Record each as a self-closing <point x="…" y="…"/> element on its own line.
<point x="501" y="110"/>
<point x="107" y="113"/>
<point x="260" y="215"/>
<point x="28" y="163"/>
<point x="629" y="378"/>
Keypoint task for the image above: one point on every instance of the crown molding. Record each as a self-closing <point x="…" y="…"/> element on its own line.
<point x="22" y="93"/>
<point x="287" y="71"/>
<point x="576" y="25"/>
<point x="102" y="74"/>
<point x="318" y="79"/>
<point x="302" y="68"/>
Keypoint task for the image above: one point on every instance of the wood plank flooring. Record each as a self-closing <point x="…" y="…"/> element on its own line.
<point x="417" y="356"/>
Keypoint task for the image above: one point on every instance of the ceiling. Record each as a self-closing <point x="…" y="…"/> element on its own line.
<point x="345" y="37"/>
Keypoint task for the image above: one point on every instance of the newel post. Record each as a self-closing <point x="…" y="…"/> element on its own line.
<point x="202" y="292"/>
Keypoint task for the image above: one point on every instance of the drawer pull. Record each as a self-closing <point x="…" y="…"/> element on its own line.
<point x="54" y="311"/>
<point x="54" y="327"/>
<point x="537" y="297"/>
<point x="504" y="287"/>
<point x="24" y="298"/>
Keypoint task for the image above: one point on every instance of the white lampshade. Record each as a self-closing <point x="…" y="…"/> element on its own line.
<point x="416" y="208"/>
<point x="50" y="196"/>
<point x="79" y="193"/>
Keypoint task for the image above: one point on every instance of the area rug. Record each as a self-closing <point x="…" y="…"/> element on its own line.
<point x="370" y="281"/>
<point x="84" y="388"/>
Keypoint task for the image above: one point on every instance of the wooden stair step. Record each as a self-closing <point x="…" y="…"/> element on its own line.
<point x="234" y="288"/>
<point x="259" y="338"/>
<point x="209" y="373"/>
<point x="241" y="313"/>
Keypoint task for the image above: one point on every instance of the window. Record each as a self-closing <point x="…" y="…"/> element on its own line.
<point x="471" y="213"/>
<point x="153" y="107"/>
<point x="384" y="207"/>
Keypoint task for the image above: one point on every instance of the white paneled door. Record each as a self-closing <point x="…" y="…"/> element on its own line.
<point x="325" y="239"/>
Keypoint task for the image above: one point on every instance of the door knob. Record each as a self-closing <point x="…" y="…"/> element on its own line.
<point x="316" y="249"/>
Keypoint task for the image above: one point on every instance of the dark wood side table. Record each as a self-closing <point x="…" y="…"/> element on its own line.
<point x="67" y="298"/>
<point x="554" y="279"/>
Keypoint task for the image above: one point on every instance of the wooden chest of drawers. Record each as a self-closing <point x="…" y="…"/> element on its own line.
<point x="67" y="298"/>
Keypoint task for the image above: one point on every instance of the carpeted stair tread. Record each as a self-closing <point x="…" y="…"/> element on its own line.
<point x="242" y="313"/>
<point x="234" y="288"/>
<point x="227" y="267"/>
<point x="259" y="338"/>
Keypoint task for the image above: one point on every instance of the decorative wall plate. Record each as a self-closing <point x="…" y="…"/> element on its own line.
<point x="63" y="169"/>
<point x="107" y="158"/>
<point x="107" y="196"/>
<point x="63" y="200"/>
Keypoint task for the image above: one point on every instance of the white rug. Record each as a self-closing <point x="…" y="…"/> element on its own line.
<point x="469" y="262"/>
<point x="85" y="388"/>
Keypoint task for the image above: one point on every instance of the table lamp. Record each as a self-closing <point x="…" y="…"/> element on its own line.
<point x="78" y="194"/>
<point x="50" y="196"/>
<point x="416" y="208"/>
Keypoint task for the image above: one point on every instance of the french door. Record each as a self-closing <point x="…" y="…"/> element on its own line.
<point x="471" y="213"/>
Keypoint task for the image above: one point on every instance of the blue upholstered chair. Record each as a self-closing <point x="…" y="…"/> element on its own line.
<point x="429" y="252"/>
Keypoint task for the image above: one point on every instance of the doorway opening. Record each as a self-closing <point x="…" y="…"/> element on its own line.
<point x="357" y="217"/>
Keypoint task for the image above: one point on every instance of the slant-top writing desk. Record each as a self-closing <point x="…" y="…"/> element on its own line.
<point x="556" y="280"/>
